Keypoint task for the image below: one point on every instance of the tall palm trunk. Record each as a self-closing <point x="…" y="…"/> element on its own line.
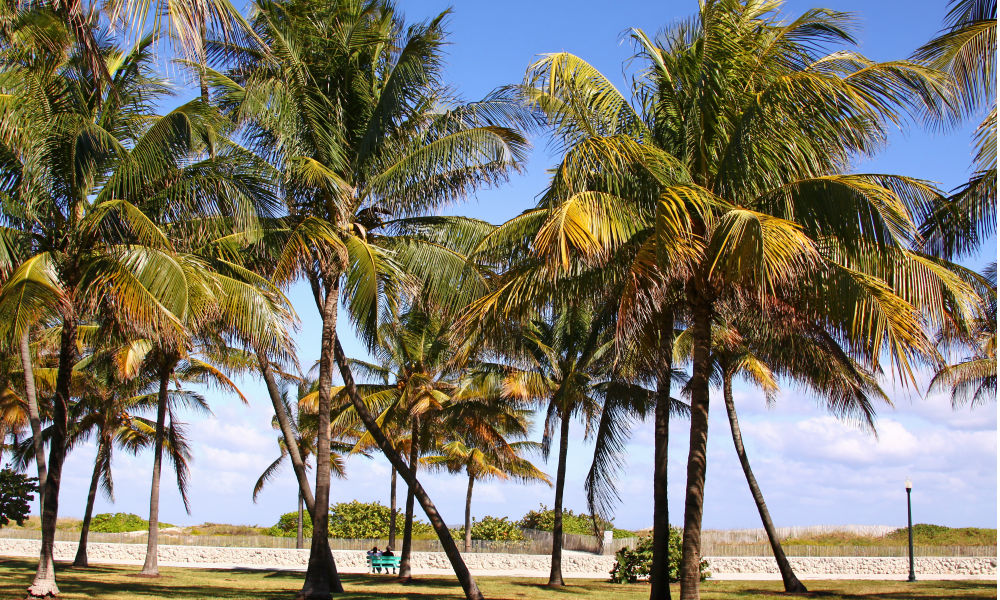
<point x="694" y="499"/>
<point x="81" y="549"/>
<point x="322" y="578"/>
<point x="34" y="418"/>
<point x="150" y="567"/>
<point x="45" y="577"/>
<point x="659" y="580"/>
<point x="392" y="509"/>
<point x="462" y="573"/>
<point x="405" y="573"/>
<point x="287" y="432"/>
<point x="468" y="514"/>
<point x="299" y="540"/>
<point x="792" y="583"/>
<point x="555" y="572"/>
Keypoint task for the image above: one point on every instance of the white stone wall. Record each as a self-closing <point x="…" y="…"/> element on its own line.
<point x="574" y="564"/>
<point x="861" y="566"/>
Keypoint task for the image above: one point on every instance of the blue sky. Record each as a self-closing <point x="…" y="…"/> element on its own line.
<point x="812" y="468"/>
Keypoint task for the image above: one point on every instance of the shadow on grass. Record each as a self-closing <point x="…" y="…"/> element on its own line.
<point x="932" y="590"/>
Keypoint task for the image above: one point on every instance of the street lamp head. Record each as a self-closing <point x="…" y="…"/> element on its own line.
<point x="909" y="484"/>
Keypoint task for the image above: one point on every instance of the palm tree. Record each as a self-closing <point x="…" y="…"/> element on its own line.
<point x="725" y="172"/>
<point x="973" y="380"/>
<point x="418" y="370"/>
<point x="485" y="441"/>
<point x="966" y="49"/>
<point x="366" y="135"/>
<point x="569" y="372"/>
<point x="81" y="159"/>
<point x="304" y="420"/>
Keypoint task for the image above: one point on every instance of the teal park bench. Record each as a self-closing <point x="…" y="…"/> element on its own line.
<point x="383" y="561"/>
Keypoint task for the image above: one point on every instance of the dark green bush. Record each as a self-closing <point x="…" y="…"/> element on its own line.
<point x="16" y="492"/>
<point x="496" y="529"/>
<point x="632" y="565"/>
<point x="353" y="520"/>
<point x="120" y="523"/>
<point x="286" y="525"/>
<point x="579" y="524"/>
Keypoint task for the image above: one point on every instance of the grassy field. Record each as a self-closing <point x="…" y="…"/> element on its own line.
<point x="120" y="583"/>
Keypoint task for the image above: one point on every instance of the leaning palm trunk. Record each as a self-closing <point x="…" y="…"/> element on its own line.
<point x="405" y="573"/>
<point x="468" y="514"/>
<point x="392" y="509"/>
<point x="659" y="580"/>
<point x="690" y="571"/>
<point x="440" y="528"/>
<point x="150" y="567"/>
<point x="81" y="549"/>
<point x="31" y="397"/>
<point x="287" y="433"/>
<point x="555" y="572"/>
<point x="45" y="577"/>
<point x="322" y="578"/>
<point x="792" y="583"/>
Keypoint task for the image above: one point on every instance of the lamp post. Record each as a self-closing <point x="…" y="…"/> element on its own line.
<point x="909" y="527"/>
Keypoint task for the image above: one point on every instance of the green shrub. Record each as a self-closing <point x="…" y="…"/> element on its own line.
<point x="368" y="520"/>
<point x="496" y="529"/>
<point x="287" y="525"/>
<point x="354" y="520"/>
<point x="579" y="524"/>
<point x="632" y="565"/>
<point x="16" y="492"/>
<point x="120" y="523"/>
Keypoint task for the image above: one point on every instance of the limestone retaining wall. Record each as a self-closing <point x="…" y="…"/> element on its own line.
<point x="867" y="567"/>
<point x="574" y="564"/>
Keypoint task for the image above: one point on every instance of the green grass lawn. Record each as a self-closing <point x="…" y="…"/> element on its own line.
<point x="120" y="583"/>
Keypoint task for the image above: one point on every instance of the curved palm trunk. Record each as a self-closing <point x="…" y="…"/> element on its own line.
<point x="694" y="498"/>
<point x="468" y="514"/>
<point x="81" y="549"/>
<point x="150" y="567"/>
<point x="322" y="579"/>
<point x="405" y="573"/>
<point x="31" y="397"/>
<point x="299" y="540"/>
<point x="659" y="583"/>
<point x="792" y="583"/>
<point x="555" y="572"/>
<point x="462" y="573"/>
<point x="44" y="583"/>
<point x="392" y="509"/>
<point x="287" y="432"/>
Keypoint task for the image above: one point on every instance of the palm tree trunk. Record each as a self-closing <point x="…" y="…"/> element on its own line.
<point x="792" y="583"/>
<point x="555" y="573"/>
<point x="659" y="579"/>
<point x="322" y="578"/>
<point x="287" y="433"/>
<point x="299" y="540"/>
<point x="81" y="549"/>
<point x="392" y="509"/>
<point x="44" y="583"/>
<point x="468" y="514"/>
<point x="34" y="418"/>
<point x="694" y="498"/>
<point x="405" y="573"/>
<point x="150" y="567"/>
<point x="462" y="573"/>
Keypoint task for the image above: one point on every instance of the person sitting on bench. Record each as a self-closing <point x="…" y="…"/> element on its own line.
<point x="388" y="552"/>
<point x="373" y="553"/>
